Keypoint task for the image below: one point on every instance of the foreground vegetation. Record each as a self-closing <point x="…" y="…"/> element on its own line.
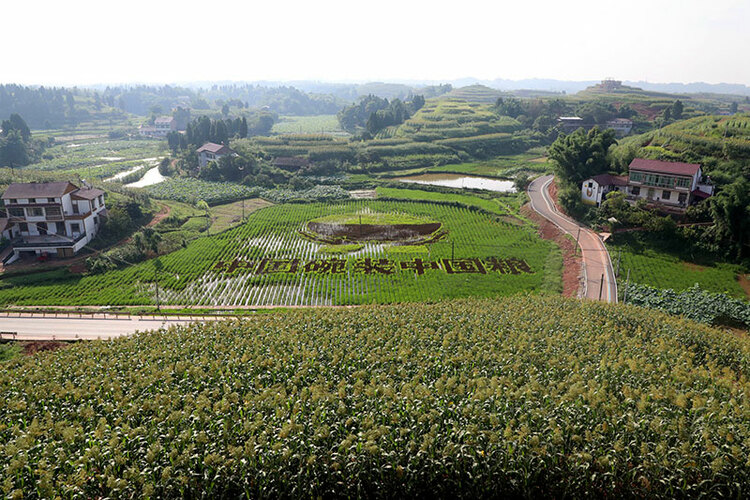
<point x="521" y="396"/>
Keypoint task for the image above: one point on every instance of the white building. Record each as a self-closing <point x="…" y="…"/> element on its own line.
<point x="52" y="218"/>
<point x="161" y="127"/>
<point x="621" y="126"/>
<point x="212" y="152"/>
<point x="595" y="189"/>
<point x="671" y="186"/>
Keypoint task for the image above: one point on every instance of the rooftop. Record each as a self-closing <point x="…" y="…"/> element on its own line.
<point x="38" y="190"/>
<point x="610" y="180"/>
<point x="664" y="167"/>
<point x="87" y="193"/>
<point x="164" y="119"/>
<point x="214" y="148"/>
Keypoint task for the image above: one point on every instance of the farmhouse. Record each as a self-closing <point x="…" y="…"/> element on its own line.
<point x="212" y="152"/>
<point x="161" y="127"/>
<point x="671" y="186"/>
<point x="52" y="218"/>
<point x="621" y="126"/>
<point x="570" y="123"/>
<point x="291" y="163"/>
<point x="594" y="190"/>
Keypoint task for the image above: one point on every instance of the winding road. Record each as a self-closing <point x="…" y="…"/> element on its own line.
<point x="598" y="274"/>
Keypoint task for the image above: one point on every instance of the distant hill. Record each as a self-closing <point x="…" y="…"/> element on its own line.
<point x="476" y="93"/>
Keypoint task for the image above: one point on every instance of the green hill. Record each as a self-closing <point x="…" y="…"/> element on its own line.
<point x="525" y="396"/>
<point x="476" y="93"/>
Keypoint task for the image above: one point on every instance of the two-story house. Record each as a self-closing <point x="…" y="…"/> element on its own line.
<point x="212" y="152"/>
<point x="670" y="185"/>
<point x="53" y="218"/>
<point x="161" y="127"/>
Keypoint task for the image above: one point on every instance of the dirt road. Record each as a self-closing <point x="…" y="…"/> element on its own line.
<point x="599" y="277"/>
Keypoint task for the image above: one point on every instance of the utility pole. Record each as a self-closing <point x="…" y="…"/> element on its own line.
<point x="627" y="283"/>
<point x="575" y="250"/>
<point x="601" y="287"/>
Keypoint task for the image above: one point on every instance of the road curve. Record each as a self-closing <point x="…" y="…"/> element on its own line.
<point x="36" y="327"/>
<point x="596" y="260"/>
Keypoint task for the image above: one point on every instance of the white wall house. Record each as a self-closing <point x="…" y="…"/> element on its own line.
<point x="621" y="126"/>
<point x="212" y="152"/>
<point x="161" y="127"/>
<point x="53" y="218"/>
<point x="595" y="189"/>
<point x="670" y="185"/>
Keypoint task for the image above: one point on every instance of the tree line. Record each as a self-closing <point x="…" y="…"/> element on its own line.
<point x="372" y="113"/>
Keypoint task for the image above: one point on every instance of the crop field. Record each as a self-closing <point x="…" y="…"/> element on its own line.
<point x="319" y="124"/>
<point x="649" y="266"/>
<point x="522" y="397"/>
<point x="276" y="259"/>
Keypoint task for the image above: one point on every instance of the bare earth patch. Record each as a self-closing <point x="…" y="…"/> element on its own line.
<point x="744" y="280"/>
<point x="571" y="278"/>
<point x="31" y="348"/>
<point x="693" y="267"/>
<point x="342" y="233"/>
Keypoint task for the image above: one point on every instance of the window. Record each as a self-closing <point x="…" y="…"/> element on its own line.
<point x="50" y="200"/>
<point x="41" y="228"/>
<point x="53" y="212"/>
<point x="682" y="197"/>
<point x="75" y="228"/>
<point x="635" y="190"/>
<point x="683" y="182"/>
<point x="591" y="184"/>
<point x="665" y="195"/>
<point x="75" y="207"/>
<point x="16" y="212"/>
<point x="35" y="212"/>
<point x="13" y="200"/>
<point x="24" y="227"/>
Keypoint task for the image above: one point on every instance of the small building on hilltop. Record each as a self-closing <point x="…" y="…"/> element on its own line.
<point x="51" y="218"/>
<point x="212" y="152"/>
<point x="670" y="186"/>
<point x="570" y="124"/>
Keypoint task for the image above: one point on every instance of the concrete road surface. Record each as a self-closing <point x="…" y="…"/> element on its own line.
<point x="596" y="260"/>
<point x="36" y="327"/>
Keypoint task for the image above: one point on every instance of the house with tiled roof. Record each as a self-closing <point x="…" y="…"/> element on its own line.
<point x="211" y="151"/>
<point x="50" y="218"/>
<point x="670" y="186"/>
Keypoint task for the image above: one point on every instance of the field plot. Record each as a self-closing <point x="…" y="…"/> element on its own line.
<point x="649" y="266"/>
<point x="318" y="124"/>
<point x="268" y="261"/>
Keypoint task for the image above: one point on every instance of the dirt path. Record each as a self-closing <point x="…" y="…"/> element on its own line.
<point x="161" y="214"/>
<point x="599" y="277"/>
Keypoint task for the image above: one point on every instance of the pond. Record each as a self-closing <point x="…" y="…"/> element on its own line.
<point x="461" y="181"/>
<point x="151" y="177"/>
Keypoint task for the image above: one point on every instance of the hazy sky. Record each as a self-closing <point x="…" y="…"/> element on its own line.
<point x="86" y="42"/>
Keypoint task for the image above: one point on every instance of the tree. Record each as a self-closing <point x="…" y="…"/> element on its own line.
<point x="581" y="155"/>
<point x="147" y="240"/>
<point x="13" y="151"/>
<point x="202" y="205"/>
<point x="733" y="107"/>
<point x="677" y="109"/>
<point x="15" y="122"/>
<point x="225" y="110"/>
<point x="243" y="128"/>
<point x="730" y="210"/>
<point x="173" y="140"/>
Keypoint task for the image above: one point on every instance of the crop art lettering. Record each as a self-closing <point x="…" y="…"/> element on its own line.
<point x="370" y="266"/>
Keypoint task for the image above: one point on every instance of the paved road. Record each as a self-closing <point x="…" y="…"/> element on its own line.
<point x="596" y="260"/>
<point x="28" y="327"/>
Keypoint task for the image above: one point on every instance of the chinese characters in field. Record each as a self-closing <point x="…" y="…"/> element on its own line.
<point x="369" y="266"/>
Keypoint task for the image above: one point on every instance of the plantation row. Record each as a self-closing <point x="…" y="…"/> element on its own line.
<point x="186" y="276"/>
<point x="518" y="397"/>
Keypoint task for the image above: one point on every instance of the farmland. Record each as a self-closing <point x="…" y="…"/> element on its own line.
<point x="650" y="265"/>
<point x="269" y="261"/>
<point x="515" y="397"/>
<point x="320" y="124"/>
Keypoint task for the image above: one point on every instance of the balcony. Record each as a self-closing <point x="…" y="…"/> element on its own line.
<point x="46" y="241"/>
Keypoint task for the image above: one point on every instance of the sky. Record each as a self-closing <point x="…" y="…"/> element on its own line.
<point x="80" y="42"/>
